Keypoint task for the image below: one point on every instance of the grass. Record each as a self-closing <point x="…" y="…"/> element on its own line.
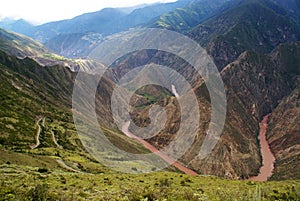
<point x="27" y="183"/>
<point x="29" y="92"/>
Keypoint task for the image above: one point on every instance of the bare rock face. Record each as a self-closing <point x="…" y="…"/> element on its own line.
<point x="284" y="138"/>
<point x="255" y="84"/>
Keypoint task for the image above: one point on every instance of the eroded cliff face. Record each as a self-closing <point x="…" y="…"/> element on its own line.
<point x="255" y="84"/>
<point x="283" y="136"/>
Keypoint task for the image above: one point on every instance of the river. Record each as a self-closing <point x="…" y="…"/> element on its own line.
<point x="154" y="150"/>
<point x="268" y="159"/>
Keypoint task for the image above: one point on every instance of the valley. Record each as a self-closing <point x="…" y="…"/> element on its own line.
<point x="253" y="44"/>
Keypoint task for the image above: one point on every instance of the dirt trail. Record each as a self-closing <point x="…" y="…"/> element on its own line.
<point x="157" y="152"/>
<point x="54" y="140"/>
<point x="65" y="166"/>
<point x="38" y="132"/>
<point x="268" y="159"/>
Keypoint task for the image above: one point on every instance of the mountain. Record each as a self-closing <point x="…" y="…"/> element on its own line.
<point x="265" y="84"/>
<point x="214" y="24"/>
<point x="90" y="22"/>
<point x="143" y="15"/>
<point x="292" y="5"/>
<point x="33" y="95"/>
<point x="105" y="22"/>
<point x="74" y="45"/>
<point x="30" y="92"/>
<point x="283" y="137"/>
<point x="255" y="84"/>
<point x="72" y="38"/>
<point x="185" y="18"/>
<point x="228" y="28"/>
<point x="284" y="121"/>
<point x="21" y="46"/>
<point x="253" y="25"/>
<point x="20" y="26"/>
<point x="256" y="77"/>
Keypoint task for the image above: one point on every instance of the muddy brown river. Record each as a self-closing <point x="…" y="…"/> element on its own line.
<point x="154" y="150"/>
<point x="268" y="159"/>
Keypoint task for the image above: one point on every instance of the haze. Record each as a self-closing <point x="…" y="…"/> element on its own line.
<point x="37" y="11"/>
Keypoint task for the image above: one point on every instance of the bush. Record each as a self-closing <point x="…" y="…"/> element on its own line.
<point x="38" y="193"/>
<point x="43" y="170"/>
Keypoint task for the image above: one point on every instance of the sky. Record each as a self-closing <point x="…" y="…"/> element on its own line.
<point x="41" y="11"/>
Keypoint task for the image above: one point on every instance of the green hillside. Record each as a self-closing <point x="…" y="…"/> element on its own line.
<point x="25" y="183"/>
<point x="184" y="19"/>
<point x="33" y="96"/>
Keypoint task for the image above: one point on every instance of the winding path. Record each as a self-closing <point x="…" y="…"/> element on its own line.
<point x="154" y="150"/>
<point x="65" y="166"/>
<point x="268" y="159"/>
<point x="38" y="132"/>
<point x="54" y="140"/>
<point x="34" y="146"/>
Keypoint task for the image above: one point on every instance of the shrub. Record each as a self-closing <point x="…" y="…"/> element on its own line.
<point x="43" y="170"/>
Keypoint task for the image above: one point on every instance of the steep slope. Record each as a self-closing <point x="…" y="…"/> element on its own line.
<point x="253" y="25"/>
<point x="69" y="41"/>
<point x="74" y="45"/>
<point x="256" y="81"/>
<point x="284" y="127"/>
<point x="98" y="22"/>
<point x="20" y="26"/>
<point x="259" y="83"/>
<point x="36" y="117"/>
<point x="292" y="5"/>
<point x="21" y="46"/>
<point x="255" y="84"/>
<point x="143" y="15"/>
<point x="284" y="137"/>
<point x="28" y="91"/>
<point x="184" y="19"/>
<point x="240" y="39"/>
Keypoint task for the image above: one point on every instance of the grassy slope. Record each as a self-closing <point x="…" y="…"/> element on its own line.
<point x="22" y="46"/>
<point x="28" y="92"/>
<point x="26" y="183"/>
<point x="184" y="19"/>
